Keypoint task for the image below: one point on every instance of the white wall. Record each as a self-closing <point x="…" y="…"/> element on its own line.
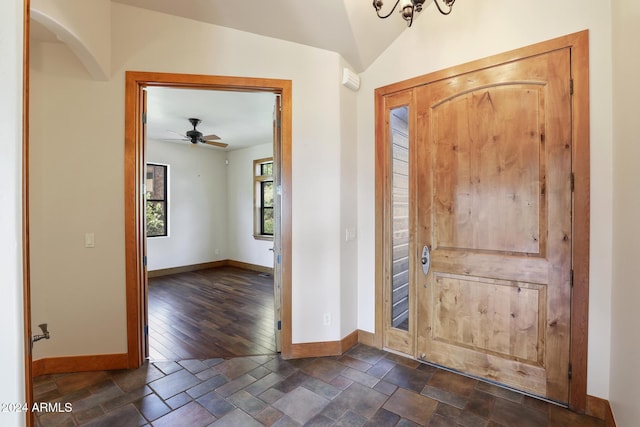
<point x="11" y="314"/>
<point x="78" y="172"/>
<point x="243" y="246"/>
<point x="625" y="340"/>
<point x="210" y="206"/>
<point x="475" y="30"/>
<point x="76" y="159"/>
<point x="197" y="206"/>
<point x="348" y="211"/>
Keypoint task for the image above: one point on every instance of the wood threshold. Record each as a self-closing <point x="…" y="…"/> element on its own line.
<point x="68" y="364"/>
<point x="322" y="349"/>
<point x="579" y="45"/>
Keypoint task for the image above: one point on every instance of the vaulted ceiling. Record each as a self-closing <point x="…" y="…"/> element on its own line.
<point x="348" y="27"/>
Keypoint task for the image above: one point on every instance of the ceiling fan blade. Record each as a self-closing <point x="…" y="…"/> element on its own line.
<point x="179" y="134"/>
<point x="211" y="137"/>
<point x="217" y="144"/>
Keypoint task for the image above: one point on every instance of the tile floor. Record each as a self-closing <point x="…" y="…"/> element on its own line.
<point x="364" y="387"/>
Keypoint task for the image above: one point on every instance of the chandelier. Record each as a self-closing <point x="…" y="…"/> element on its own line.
<point x="408" y="7"/>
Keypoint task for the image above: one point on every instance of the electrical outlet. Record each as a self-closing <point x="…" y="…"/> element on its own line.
<point x="326" y="319"/>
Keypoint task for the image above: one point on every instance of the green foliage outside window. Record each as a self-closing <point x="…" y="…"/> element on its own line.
<point x="155" y="219"/>
<point x="267" y="207"/>
<point x="156" y="200"/>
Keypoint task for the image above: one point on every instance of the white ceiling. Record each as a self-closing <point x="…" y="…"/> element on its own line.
<point x="240" y="119"/>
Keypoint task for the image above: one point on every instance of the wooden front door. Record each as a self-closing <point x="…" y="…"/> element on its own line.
<point x="493" y="206"/>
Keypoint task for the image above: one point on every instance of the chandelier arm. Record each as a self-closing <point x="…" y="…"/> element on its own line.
<point x="410" y="21"/>
<point x="448" y="3"/>
<point x="388" y="14"/>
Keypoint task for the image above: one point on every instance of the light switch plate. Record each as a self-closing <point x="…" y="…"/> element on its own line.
<point x="89" y="240"/>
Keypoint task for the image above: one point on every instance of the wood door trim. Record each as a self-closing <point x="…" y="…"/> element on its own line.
<point x="581" y="220"/>
<point x="579" y="45"/>
<point x="135" y="81"/>
<point x="26" y="259"/>
<point x="403" y="340"/>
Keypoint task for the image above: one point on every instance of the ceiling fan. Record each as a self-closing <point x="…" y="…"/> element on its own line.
<point x="195" y="136"/>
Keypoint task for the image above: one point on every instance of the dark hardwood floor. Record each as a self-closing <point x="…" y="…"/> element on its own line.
<point x="219" y="312"/>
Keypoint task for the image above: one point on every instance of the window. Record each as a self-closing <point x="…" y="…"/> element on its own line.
<point x="156" y="209"/>
<point x="263" y="198"/>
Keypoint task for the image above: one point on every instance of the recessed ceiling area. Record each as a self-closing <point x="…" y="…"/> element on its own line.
<point x="240" y="119"/>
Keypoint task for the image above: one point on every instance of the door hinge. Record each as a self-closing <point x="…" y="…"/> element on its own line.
<point x="570" y="373"/>
<point x="573" y="182"/>
<point x="144" y="261"/>
<point x="144" y="118"/>
<point x="570" y="86"/>
<point x="279" y="325"/>
<point x="571" y="278"/>
<point x="146" y="330"/>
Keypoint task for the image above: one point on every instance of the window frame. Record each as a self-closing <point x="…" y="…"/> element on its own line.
<point x="164" y="200"/>
<point x="258" y="198"/>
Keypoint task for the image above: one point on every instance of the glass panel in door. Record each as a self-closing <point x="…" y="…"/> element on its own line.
<point x="399" y="301"/>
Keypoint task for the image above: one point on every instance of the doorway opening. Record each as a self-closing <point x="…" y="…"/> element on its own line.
<point x="135" y="175"/>
<point x="209" y="227"/>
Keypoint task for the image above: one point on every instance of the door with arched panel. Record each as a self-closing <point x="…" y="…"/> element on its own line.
<point x="493" y="211"/>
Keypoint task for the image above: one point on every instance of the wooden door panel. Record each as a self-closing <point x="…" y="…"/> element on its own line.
<point x="503" y="318"/>
<point x="493" y="204"/>
<point x="487" y="183"/>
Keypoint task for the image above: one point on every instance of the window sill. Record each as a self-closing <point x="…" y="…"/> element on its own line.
<point x="263" y="237"/>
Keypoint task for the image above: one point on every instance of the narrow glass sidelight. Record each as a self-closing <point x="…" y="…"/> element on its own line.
<point x="399" y="146"/>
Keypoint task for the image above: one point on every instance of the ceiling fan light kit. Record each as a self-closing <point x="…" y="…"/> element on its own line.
<point x="408" y="8"/>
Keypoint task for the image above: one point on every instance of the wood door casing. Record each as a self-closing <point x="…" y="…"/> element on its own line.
<point x="135" y="81"/>
<point x="277" y="246"/>
<point x="494" y="205"/>
<point x="144" y="273"/>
